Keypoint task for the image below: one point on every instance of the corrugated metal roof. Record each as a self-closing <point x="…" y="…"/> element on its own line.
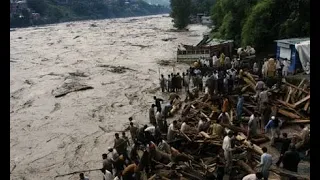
<point x="292" y="41"/>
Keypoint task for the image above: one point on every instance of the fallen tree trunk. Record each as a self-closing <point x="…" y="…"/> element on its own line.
<point x="245" y="166"/>
<point x="255" y="148"/>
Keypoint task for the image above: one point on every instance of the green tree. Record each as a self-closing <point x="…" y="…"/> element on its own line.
<point x="39" y="6"/>
<point x="180" y="12"/>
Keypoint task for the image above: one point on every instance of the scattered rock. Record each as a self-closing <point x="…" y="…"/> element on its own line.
<point x="19" y="37"/>
<point x="76" y="37"/>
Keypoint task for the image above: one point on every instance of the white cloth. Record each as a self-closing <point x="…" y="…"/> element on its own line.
<point x="164" y="146"/>
<point x="205" y="62"/>
<point x="116" y="178"/>
<point x="264" y="68"/>
<point x="215" y="61"/>
<point x="151" y="129"/>
<point x="158" y="116"/>
<point x="184" y="127"/>
<point x="303" y="49"/>
<point x="206" y="90"/>
<point x="200" y="124"/>
<point x="171" y="132"/>
<point x="204" y="80"/>
<point x="286" y="65"/>
<point x="108" y="175"/>
<point x="113" y="155"/>
<point x="250" y="177"/>
<point x="197" y="71"/>
<point x="226" y="145"/>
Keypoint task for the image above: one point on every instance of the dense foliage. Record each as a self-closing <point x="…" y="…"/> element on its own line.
<point x="201" y="6"/>
<point x="51" y="12"/>
<point x="259" y="22"/>
<point x="180" y="12"/>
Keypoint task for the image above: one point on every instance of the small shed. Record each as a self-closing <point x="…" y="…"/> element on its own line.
<point x="286" y="50"/>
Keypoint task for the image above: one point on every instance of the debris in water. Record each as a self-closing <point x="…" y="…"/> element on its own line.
<point x="68" y="87"/>
<point x="57" y="106"/>
<point x="93" y="25"/>
<point x="168" y="39"/>
<point x="116" y="69"/>
<point x="165" y="63"/>
<point x="78" y="73"/>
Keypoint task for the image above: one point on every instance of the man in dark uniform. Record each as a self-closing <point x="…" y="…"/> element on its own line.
<point x="157" y="102"/>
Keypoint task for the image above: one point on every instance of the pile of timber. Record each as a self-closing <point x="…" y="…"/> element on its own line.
<point x="205" y="150"/>
<point x="291" y="101"/>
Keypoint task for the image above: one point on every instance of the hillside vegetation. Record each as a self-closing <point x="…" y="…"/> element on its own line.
<point x="249" y="22"/>
<point x="51" y="12"/>
<point x="260" y="22"/>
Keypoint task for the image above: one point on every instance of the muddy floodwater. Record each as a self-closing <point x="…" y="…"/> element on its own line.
<point x="56" y="135"/>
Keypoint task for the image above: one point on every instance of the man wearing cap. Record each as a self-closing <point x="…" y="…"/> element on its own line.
<point x="274" y="125"/>
<point x="226" y="146"/>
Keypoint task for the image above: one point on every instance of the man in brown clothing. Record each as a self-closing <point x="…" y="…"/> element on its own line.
<point x="133" y="131"/>
<point x="120" y="145"/>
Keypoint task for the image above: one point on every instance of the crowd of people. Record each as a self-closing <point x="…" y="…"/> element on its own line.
<point x="217" y="80"/>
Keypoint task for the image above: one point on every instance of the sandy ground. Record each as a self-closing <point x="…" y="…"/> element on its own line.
<point x="51" y="136"/>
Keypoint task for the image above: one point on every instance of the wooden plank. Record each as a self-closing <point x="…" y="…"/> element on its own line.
<point x="286" y="104"/>
<point x="301" y="101"/>
<point x="295" y="93"/>
<point x="289" y="95"/>
<point x="288" y="114"/>
<point x="250" y="77"/>
<point x="300" y="89"/>
<point x="304" y="87"/>
<point x="254" y="147"/>
<point x="247" y="80"/>
<point x="298" y="121"/>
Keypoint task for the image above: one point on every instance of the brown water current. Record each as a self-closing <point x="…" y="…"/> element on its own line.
<point x="51" y="136"/>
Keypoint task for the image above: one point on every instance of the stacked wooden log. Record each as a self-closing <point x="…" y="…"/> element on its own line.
<point x="205" y="148"/>
<point x="292" y="102"/>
